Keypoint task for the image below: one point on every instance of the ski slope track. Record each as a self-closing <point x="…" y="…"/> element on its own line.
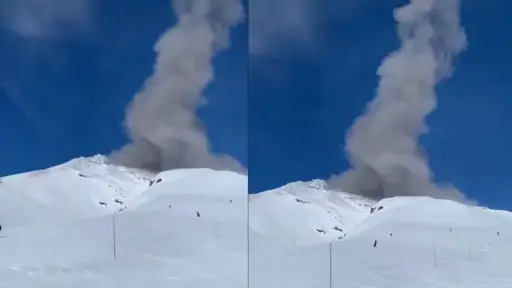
<point x="87" y="223"/>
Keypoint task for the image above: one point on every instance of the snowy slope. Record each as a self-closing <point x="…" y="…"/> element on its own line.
<point x="302" y="213"/>
<point x="188" y="228"/>
<point x="421" y="242"/>
<point x="83" y="187"/>
<point x="58" y="227"/>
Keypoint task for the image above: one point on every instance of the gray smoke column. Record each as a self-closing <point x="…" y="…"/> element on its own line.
<point x="383" y="144"/>
<point x="161" y="121"/>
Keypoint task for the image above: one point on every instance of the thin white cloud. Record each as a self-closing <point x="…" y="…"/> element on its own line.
<point x="281" y="28"/>
<point x="275" y="25"/>
<point x="36" y="19"/>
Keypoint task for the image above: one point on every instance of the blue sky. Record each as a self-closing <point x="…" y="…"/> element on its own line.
<point x="63" y="92"/>
<point x="302" y="104"/>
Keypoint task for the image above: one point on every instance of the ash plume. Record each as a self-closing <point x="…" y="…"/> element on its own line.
<point x="161" y="120"/>
<point x="383" y="144"/>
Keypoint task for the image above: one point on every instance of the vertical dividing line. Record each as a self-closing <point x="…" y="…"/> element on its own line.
<point x="247" y="77"/>
<point x="114" y="236"/>
<point x="248" y="243"/>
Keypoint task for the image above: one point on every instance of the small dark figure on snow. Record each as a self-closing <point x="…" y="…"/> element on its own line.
<point x="230" y="201"/>
<point x="498" y="233"/>
<point x="375" y="243"/>
<point x="198" y="214"/>
<point x="391" y="234"/>
<point x="0" y="227"/>
<point x="450" y="229"/>
<point x="337" y="228"/>
<point x="170" y="206"/>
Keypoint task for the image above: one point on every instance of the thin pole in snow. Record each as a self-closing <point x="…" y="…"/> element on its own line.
<point x="114" y="236"/>
<point x="330" y="264"/>
<point x="435" y="256"/>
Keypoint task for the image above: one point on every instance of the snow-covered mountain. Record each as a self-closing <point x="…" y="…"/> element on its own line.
<point x="303" y="214"/>
<point x="172" y="229"/>
<point x="87" y="223"/>
<point x="399" y="242"/>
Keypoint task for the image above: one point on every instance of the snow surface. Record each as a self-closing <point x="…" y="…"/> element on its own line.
<point x="421" y="243"/>
<point x="188" y="228"/>
<point x="58" y="227"/>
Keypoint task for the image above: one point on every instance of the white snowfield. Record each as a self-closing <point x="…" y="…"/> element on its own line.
<point x="57" y="228"/>
<point x="420" y="242"/>
<point x="188" y="228"/>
